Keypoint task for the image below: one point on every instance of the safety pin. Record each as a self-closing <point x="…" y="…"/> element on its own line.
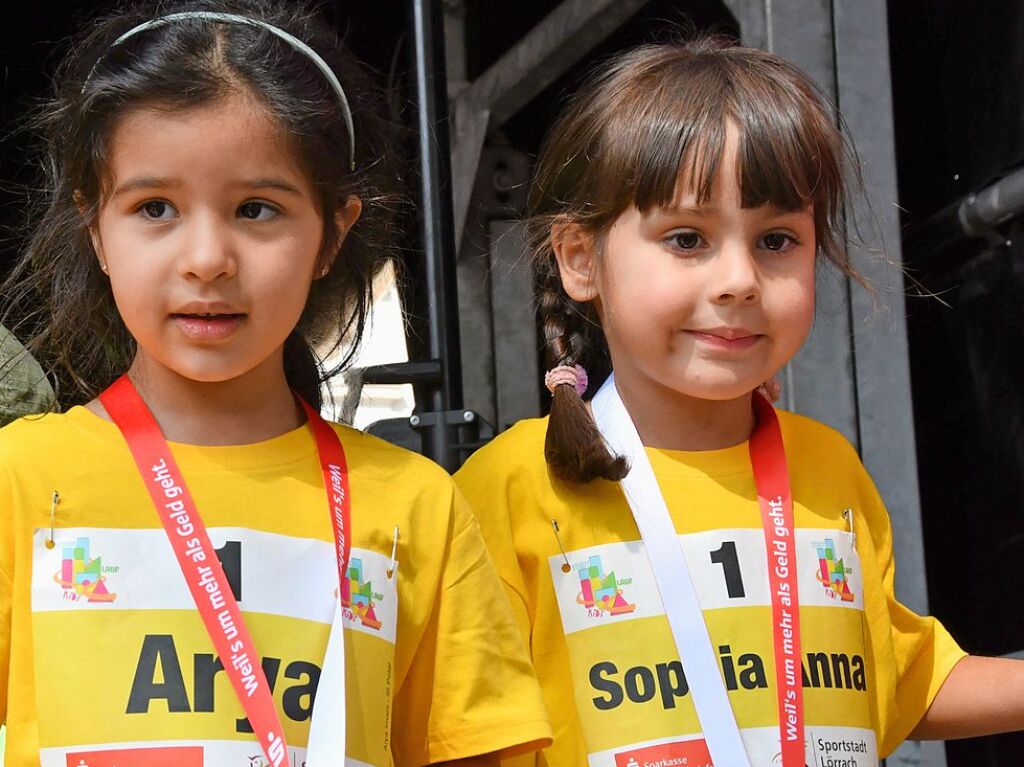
<point x="848" y="516"/>
<point x="54" y="503"/>
<point x="566" y="568"/>
<point x="394" y="552"/>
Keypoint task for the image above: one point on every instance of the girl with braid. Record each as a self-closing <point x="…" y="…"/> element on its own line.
<point x="701" y="578"/>
<point x="196" y="569"/>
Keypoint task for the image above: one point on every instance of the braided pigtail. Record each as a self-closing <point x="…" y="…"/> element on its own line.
<point x="574" y="448"/>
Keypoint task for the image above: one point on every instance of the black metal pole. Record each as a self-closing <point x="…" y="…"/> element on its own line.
<point x="939" y="241"/>
<point x="437" y="226"/>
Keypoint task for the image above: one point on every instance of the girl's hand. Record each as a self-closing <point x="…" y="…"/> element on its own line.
<point x="981" y="696"/>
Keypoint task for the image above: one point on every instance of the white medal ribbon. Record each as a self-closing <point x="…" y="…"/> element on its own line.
<point x="327" y="730"/>
<point x="678" y="593"/>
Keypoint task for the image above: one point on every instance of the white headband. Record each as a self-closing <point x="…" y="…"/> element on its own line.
<point x="233" y="18"/>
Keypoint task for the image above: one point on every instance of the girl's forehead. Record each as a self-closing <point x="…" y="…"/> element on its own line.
<point x="159" y="122"/>
<point x="235" y="134"/>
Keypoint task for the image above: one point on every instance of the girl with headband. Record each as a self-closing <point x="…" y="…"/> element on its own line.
<point x="195" y="568"/>
<point x="703" y="578"/>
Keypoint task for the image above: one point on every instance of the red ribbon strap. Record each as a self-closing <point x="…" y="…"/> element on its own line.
<point x="771" y="476"/>
<point x="198" y="560"/>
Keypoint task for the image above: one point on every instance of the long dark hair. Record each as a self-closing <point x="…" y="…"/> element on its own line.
<point x="652" y="118"/>
<point x="57" y="299"/>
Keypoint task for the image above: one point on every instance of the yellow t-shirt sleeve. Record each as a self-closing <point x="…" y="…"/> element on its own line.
<point x="472" y="689"/>
<point x="922" y="651"/>
<point x="489" y="503"/>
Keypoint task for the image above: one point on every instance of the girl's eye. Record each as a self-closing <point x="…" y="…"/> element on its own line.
<point x="157" y="210"/>
<point x="257" y="211"/>
<point x="778" y="242"/>
<point x="688" y="240"/>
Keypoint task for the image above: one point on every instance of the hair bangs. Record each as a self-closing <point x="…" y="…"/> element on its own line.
<point x="781" y="162"/>
<point x="675" y="134"/>
<point x="668" y="141"/>
<point x="685" y="166"/>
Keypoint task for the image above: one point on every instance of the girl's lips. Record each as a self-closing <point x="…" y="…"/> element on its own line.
<point x="729" y="344"/>
<point x="214" y="327"/>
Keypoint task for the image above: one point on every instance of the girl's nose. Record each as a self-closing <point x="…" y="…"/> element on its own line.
<point x="209" y="250"/>
<point x="736" y="277"/>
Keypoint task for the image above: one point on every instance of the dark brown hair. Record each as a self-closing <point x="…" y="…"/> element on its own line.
<point x="59" y="301"/>
<point x="649" y="120"/>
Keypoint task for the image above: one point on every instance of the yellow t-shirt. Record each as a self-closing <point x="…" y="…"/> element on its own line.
<point x="104" y="658"/>
<point x="603" y="650"/>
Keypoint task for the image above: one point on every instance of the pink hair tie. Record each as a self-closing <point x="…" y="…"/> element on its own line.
<point x="573" y="375"/>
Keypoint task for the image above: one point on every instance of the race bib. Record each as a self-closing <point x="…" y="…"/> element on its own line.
<point x="125" y="671"/>
<point x="631" y="693"/>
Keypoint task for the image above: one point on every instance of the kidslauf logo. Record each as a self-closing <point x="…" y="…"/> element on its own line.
<point x="82" y="576"/>
<point x="601" y="593"/>
<point x="832" y="572"/>
<point x="358" y="599"/>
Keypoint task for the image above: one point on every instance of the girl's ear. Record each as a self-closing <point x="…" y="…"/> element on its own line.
<point x="575" y="252"/>
<point x="97" y="246"/>
<point x="344" y="219"/>
<point x="94" y="235"/>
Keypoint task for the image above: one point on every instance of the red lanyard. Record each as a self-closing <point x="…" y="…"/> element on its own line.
<point x="771" y="477"/>
<point x="198" y="560"/>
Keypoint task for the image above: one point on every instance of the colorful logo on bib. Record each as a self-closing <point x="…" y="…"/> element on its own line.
<point x="358" y="597"/>
<point x="832" y="572"/>
<point x="600" y="593"/>
<point x="82" y="576"/>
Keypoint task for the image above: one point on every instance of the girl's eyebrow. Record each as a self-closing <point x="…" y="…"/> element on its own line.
<point x="710" y="210"/>
<point x="144" y="182"/>
<point x="269" y="183"/>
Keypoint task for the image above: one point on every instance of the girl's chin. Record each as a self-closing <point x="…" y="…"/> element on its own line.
<point x="723" y="392"/>
<point x="204" y="371"/>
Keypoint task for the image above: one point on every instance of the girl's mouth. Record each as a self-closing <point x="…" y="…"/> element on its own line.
<point x="208" y="327"/>
<point x="736" y="343"/>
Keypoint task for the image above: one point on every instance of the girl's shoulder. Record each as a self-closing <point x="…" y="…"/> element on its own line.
<point x="388" y="468"/>
<point x="824" y="464"/>
<point x="518" y="449"/>
<point x="48" y="436"/>
<point x="75" y="448"/>
<point x="811" y="438"/>
<point x="510" y="472"/>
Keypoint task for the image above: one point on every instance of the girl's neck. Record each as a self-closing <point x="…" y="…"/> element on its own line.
<point x="668" y="420"/>
<point x="251" y="408"/>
